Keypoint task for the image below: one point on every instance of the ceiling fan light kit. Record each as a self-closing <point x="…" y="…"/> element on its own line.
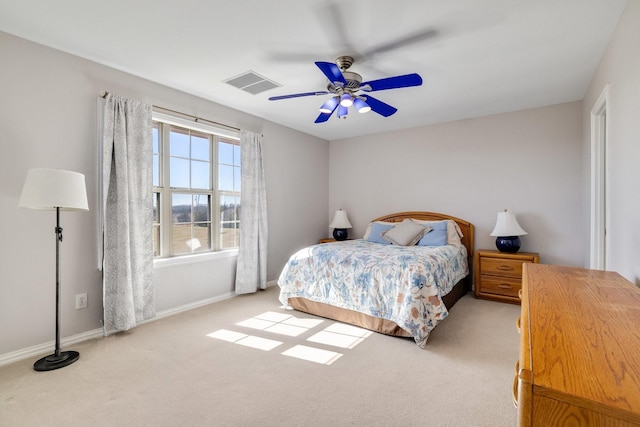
<point x="361" y="106"/>
<point x="329" y="106"/>
<point x="344" y="86"/>
<point x="342" y="112"/>
<point x="346" y="100"/>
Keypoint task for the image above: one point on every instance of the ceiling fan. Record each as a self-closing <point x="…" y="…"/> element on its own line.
<point x="348" y="89"/>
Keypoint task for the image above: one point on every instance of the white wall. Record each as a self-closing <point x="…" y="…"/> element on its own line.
<point x="527" y="161"/>
<point x="620" y="68"/>
<point x="48" y="119"/>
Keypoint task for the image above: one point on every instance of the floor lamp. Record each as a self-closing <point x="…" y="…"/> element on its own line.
<point x="54" y="189"/>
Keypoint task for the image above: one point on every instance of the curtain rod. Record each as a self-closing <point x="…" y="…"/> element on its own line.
<point x="195" y="118"/>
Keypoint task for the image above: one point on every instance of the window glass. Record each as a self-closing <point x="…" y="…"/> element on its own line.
<point x="200" y="174"/>
<point x="156" y="156"/>
<point x="236" y="178"/>
<point x="229" y="221"/>
<point x="201" y="208"/>
<point x="179" y="173"/>
<point x="200" y="147"/>
<point x="225" y="177"/>
<point x="179" y="142"/>
<point x="225" y="153"/>
<point x="181" y="239"/>
<point x="181" y="207"/>
<point x="156" y="224"/>
<point x="236" y="154"/>
<point x="199" y="187"/>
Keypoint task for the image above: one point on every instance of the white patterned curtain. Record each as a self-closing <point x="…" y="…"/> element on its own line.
<point x="251" y="271"/>
<point x="128" y="293"/>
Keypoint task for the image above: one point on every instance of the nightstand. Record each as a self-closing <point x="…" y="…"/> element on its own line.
<point x="327" y="240"/>
<point x="498" y="275"/>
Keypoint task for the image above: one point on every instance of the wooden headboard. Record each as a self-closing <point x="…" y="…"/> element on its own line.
<point x="465" y="226"/>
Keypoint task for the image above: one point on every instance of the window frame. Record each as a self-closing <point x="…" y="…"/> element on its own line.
<point x="164" y="123"/>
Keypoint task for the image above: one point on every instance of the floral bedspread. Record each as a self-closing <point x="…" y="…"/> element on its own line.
<point x="399" y="283"/>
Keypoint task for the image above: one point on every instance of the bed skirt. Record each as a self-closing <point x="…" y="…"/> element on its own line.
<point x="384" y="326"/>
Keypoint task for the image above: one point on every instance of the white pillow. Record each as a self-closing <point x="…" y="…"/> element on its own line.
<point x="407" y="233"/>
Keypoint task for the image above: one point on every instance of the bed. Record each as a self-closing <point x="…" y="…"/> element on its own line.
<point x="388" y="288"/>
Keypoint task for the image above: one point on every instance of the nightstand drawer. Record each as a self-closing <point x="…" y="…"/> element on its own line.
<point x="500" y="285"/>
<point x="501" y="267"/>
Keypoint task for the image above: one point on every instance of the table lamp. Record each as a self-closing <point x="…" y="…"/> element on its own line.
<point x="340" y="224"/>
<point x="507" y="231"/>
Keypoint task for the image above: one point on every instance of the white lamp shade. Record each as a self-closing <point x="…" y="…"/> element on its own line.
<point x="507" y="225"/>
<point x="340" y="220"/>
<point x="54" y="188"/>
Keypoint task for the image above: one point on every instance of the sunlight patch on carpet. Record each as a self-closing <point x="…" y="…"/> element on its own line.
<point x="313" y="354"/>
<point x="303" y="323"/>
<point x="289" y="330"/>
<point x="280" y="323"/>
<point x="273" y="316"/>
<point x="259" y="343"/>
<point x="340" y="335"/>
<point x="254" y="323"/>
<point x="226" y="335"/>
<point x="336" y="335"/>
<point x="336" y="340"/>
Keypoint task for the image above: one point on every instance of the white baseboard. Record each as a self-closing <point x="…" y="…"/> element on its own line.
<point x="191" y="306"/>
<point x="47" y="347"/>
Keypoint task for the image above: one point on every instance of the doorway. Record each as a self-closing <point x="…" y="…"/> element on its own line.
<point x="599" y="208"/>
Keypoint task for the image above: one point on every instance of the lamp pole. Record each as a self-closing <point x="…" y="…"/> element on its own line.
<point x="58" y="232"/>
<point x="58" y="359"/>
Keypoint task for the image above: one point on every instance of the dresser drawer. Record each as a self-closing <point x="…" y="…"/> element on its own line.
<point x="501" y="267"/>
<point x="500" y="285"/>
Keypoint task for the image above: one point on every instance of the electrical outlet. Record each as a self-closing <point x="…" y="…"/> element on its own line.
<point x="81" y="301"/>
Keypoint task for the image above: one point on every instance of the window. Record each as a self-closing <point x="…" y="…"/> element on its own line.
<point x="196" y="188"/>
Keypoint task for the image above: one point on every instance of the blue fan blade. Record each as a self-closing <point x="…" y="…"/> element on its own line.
<point x="297" y="95"/>
<point x="332" y="72"/>
<point x="396" y="82"/>
<point x="323" y="117"/>
<point x="380" y="107"/>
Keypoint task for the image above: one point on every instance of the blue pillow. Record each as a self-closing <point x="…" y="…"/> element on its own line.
<point x="375" y="235"/>
<point x="437" y="236"/>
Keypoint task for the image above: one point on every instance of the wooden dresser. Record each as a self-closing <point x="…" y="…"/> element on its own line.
<point x="580" y="348"/>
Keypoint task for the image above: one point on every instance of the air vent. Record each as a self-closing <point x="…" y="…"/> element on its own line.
<point x="252" y="82"/>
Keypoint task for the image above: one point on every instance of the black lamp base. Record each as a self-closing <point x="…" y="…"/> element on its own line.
<point x="340" y="233"/>
<point x="51" y="362"/>
<point x="509" y="244"/>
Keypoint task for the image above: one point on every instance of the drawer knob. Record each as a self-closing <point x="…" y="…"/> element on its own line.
<point x="505" y="286"/>
<point x="505" y="268"/>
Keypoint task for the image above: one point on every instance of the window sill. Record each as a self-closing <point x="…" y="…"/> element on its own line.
<point x="192" y="259"/>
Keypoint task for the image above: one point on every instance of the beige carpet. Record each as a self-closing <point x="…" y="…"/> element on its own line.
<point x="171" y="372"/>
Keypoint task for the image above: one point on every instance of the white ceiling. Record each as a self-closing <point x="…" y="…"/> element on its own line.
<point x="477" y="57"/>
